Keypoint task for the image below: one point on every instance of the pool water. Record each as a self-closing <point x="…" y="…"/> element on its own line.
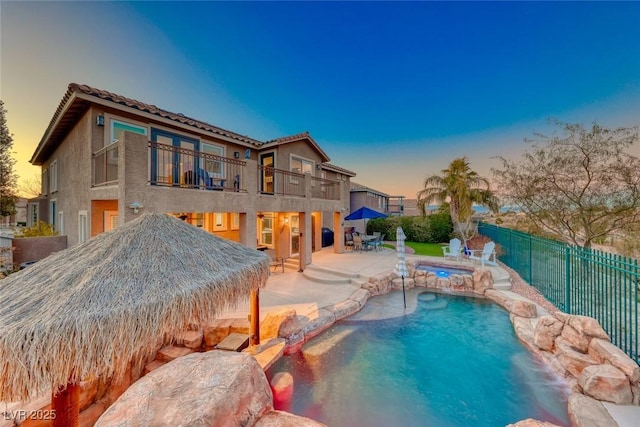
<point x="454" y="362"/>
<point x="443" y="271"/>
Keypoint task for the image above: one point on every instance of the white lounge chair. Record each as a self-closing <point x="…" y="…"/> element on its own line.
<point x="454" y="250"/>
<point x="485" y="256"/>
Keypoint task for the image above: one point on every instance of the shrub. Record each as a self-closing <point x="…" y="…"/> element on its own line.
<point x="435" y="228"/>
<point x="441" y="227"/>
<point x="41" y="229"/>
<point x="477" y="242"/>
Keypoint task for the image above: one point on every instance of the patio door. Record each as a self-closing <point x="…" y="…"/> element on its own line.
<point x="267" y="160"/>
<point x="295" y="235"/>
<point x="175" y="161"/>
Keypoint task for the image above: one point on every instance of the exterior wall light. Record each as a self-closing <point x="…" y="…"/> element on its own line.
<point x="100" y="120"/>
<point x="136" y="206"/>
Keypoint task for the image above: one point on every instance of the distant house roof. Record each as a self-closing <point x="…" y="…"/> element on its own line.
<point x="359" y="187"/>
<point x="79" y="97"/>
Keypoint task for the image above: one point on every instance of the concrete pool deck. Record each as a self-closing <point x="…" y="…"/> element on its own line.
<point x="337" y="276"/>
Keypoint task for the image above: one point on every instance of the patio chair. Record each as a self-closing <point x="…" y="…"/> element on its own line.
<point x="348" y="240"/>
<point x="453" y="250"/>
<point x="357" y="243"/>
<point x="379" y="239"/>
<point x="274" y="261"/>
<point x="485" y="256"/>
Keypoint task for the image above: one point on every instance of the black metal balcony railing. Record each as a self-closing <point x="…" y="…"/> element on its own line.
<point x="322" y="188"/>
<point x="105" y="165"/>
<point x="280" y="182"/>
<point x="181" y="167"/>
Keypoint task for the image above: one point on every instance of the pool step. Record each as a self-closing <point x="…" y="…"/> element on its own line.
<point x="329" y="276"/>
<point x="501" y="279"/>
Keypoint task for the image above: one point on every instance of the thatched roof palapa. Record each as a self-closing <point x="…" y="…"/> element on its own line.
<point x="89" y="310"/>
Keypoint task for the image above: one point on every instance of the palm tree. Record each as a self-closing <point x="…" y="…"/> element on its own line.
<point x="461" y="187"/>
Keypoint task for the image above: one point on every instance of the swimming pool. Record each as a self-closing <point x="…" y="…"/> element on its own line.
<point x="454" y="362"/>
<point x="442" y="271"/>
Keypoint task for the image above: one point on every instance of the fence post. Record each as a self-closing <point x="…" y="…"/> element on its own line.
<point x="530" y="261"/>
<point x="567" y="280"/>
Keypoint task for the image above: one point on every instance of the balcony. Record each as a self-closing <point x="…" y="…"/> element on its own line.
<point x="286" y="183"/>
<point x="179" y="167"/>
<point x="327" y="189"/>
<point x="171" y="166"/>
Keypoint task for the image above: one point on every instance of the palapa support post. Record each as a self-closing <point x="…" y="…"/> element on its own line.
<point x="254" y="320"/>
<point x="66" y="404"/>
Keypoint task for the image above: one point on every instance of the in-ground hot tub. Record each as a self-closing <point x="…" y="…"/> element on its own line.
<point x="444" y="271"/>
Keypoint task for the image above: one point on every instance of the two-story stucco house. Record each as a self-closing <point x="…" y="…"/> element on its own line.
<point x="106" y="159"/>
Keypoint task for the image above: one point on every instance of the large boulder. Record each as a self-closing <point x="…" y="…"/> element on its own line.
<point x="572" y="360"/>
<point x="579" y="330"/>
<point x="530" y="422"/>
<point x="344" y="308"/>
<point x="546" y="332"/>
<point x="523" y="309"/>
<point x="605" y="352"/>
<point x="361" y="296"/>
<point x="482" y="280"/>
<point x="273" y="321"/>
<point x="285" y="419"/>
<point x="585" y="411"/>
<point x="215" y="388"/>
<point x="606" y="382"/>
<point x="317" y="322"/>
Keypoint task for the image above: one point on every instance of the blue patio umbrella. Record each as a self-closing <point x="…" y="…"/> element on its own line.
<point x="364" y="213"/>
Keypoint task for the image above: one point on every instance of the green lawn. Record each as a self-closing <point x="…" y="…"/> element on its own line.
<point x="431" y="249"/>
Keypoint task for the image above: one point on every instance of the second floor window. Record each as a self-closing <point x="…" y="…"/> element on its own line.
<point x="299" y="165"/>
<point x="118" y="128"/>
<point x="53" y="176"/>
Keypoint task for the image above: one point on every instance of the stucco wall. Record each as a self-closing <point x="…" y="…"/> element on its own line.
<point x="36" y="248"/>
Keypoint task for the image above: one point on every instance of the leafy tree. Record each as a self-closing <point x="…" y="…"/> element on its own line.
<point x="580" y="185"/>
<point x="461" y="187"/>
<point x="7" y="176"/>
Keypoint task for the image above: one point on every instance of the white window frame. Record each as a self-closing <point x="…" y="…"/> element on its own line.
<point x="60" y="223"/>
<point x="83" y="233"/>
<point x="219" y="221"/>
<point x="45" y="181"/>
<point x="303" y="161"/>
<point x="235" y="221"/>
<point x="53" y="207"/>
<point x="116" y="120"/>
<point x="221" y="149"/>
<point x="53" y="176"/>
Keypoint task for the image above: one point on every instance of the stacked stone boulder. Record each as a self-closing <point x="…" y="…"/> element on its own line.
<point x="579" y="349"/>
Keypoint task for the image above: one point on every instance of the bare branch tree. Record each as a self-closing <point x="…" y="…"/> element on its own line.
<point x="581" y="185"/>
<point x="31" y="187"/>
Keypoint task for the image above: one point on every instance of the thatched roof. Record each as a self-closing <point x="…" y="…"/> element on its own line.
<point x="89" y="310"/>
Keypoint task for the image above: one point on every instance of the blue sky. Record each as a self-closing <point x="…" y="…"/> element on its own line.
<point x="392" y="91"/>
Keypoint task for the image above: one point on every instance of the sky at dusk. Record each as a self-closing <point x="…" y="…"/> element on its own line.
<point x="391" y="91"/>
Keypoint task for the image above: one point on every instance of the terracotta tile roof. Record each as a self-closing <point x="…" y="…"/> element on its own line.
<point x="338" y="169"/>
<point x="152" y="109"/>
<point x="78" y="99"/>
<point x="297" y="137"/>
